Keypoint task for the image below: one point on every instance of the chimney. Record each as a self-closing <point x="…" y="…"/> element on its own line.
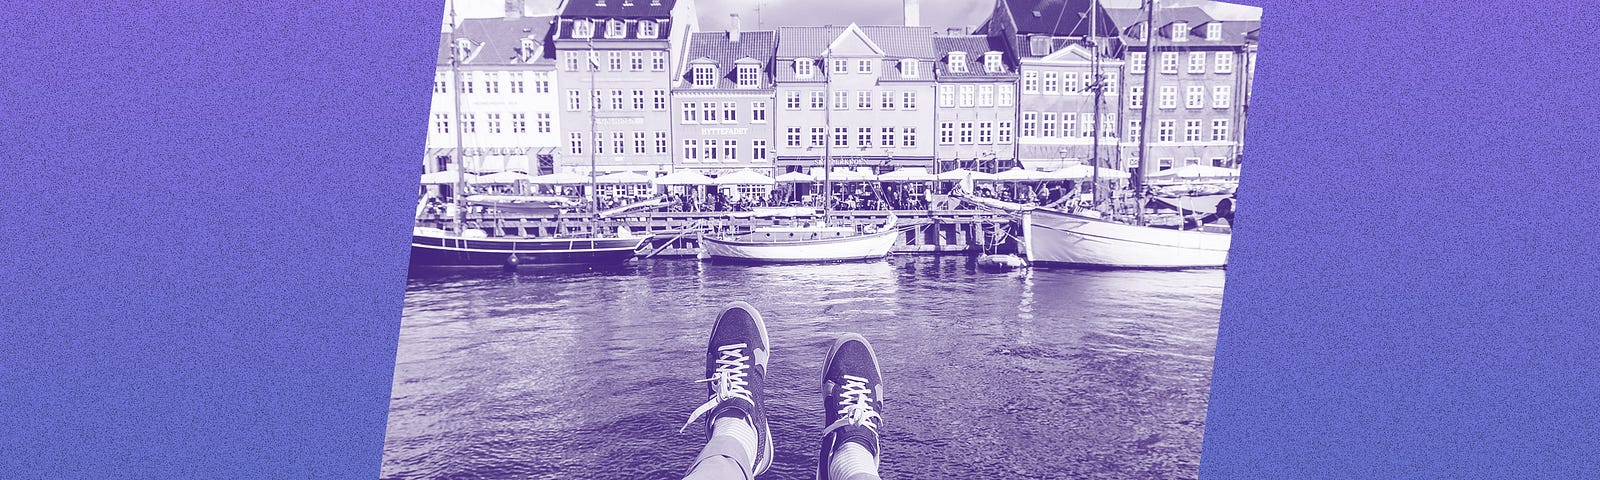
<point x="733" y="27"/>
<point x="513" y="9"/>
<point x="913" y="13"/>
<point x="952" y="31"/>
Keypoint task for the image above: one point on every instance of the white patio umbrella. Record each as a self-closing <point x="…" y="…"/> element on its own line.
<point x="683" y="177"/>
<point x="622" y="178"/>
<point x="963" y="174"/>
<point x="502" y="178"/>
<point x="1018" y="174"/>
<point x="445" y="177"/>
<point x="745" y="177"/>
<point x="1083" y="172"/>
<point x="795" y="177"/>
<point x="560" y="178"/>
<point x="907" y="174"/>
<point x="1195" y="172"/>
<point x="847" y="175"/>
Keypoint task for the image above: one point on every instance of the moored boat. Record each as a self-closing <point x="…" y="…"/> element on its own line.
<point x="1056" y="237"/>
<point x="820" y="243"/>
<point x="437" y="247"/>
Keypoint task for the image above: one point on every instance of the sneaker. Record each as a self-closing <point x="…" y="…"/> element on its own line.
<point x="852" y="399"/>
<point x="736" y="373"/>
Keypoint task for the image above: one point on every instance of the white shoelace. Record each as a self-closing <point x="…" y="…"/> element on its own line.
<point x="729" y="378"/>
<point x="855" y="407"/>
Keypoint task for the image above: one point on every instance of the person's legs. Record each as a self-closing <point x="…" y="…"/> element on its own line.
<point x="852" y="403"/>
<point x="738" y="444"/>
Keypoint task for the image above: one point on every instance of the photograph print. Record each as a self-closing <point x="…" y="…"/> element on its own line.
<point x="843" y="240"/>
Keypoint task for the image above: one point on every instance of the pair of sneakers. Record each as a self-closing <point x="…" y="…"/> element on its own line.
<point x="736" y="371"/>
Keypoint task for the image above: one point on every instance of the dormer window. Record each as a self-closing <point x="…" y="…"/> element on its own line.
<point x="463" y="49"/>
<point x="616" y="29"/>
<point x="908" y="68"/>
<point x="705" y="76"/>
<point x="1039" y="45"/>
<point x="1214" y="31"/>
<point x="804" y="67"/>
<point x="647" y="29"/>
<point x="1142" y="31"/>
<point x="582" y="29"/>
<point x="748" y="77"/>
<point x="991" y="62"/>
<point x="1180" y="31"/>
<point x="958" y="62"/>
<point x="530" y="50"/>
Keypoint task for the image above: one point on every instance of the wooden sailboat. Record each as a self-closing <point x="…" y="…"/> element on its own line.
<point x="1059" y="237"/>
<point x="471" y="247"/>
<point x="820" y="242"/>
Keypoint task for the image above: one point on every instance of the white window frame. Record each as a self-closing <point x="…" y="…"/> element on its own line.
<point x="1221" y="96"/>
<point x="1169" y="62"/>
<point x="947" y="95"/>
<point x="648" y="29"/>
<point x="1136" y="62"/>
<point x="864" y="66"/>
<point x="1048" y="84"/>
<point x="965" y="95"/>
<point x="986" y="95"/>
<point x="1179" y="32"/>
<point x="748" y="76"/>
<point x="1214" y="31"/>
<point x="1030" y="82"/>
<point x="804" y="67"/>
<point x="991" y="63"/>
<point x="1169" y="97"/>
<point x="1197" y="62"/>
<point x="1194" y="97"/>
<point x="909" y="68"/>
<point x="616" y="28"/>
<point x="758" y="111"/>
<point x="957" y="61"/>
<point x="582" y="29"/>
<point x="1136" y="96"/>
<point x="1224" y="62"/>
<point x="1004" y="97"/>
<point x="1219" y="130"/>
<point x="704" y="76"/>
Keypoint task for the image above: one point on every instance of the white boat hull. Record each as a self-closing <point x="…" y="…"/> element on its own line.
<point x="1061" y="238"/>
<point x="853" y="247"/>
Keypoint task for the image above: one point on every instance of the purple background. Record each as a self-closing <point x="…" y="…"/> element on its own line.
<point x="205" y="212"/>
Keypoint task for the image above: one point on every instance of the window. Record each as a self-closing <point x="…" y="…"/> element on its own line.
<point x="704" y="76"/>
<point x="886" y="100"/>
<point x="441" y="122"/>
<point x="966" y="95"/>
<point x="747" y="76"/>
<point x="804" y="67"/>
<point x="947" y="133"/>
<point x="494" y="123"/>
<point x="947" y="95"/>
<point x="1136" y="96"/>
<point x="758" y="112"/>
<point x="1214" y="31"/>
<point x="492" y="84"/>
<point x="658" y="61"/>
<point x="595" y="99"/>
<point x="985" y="132"/>
<point x="575" y="145"/>
<point x="1221" y="96"/>
<point x="1180" y="31"/>
<point x="1006" y="98"/>
<point x="819" y="136"/>
<point x="569" y="61"/>
<point x="841" y="137"/>
<point x="841" y="66"/>
<point x="1218" y="161"/>
<point x="864" y="137"/>
<point x="541" y="84"/>
<point x="1109" y="85"/>
<point x="863" y="66"/>
<point x="817" y="100"/>
<point x="864" y="100"/>
<point x="614" y="61"/>
<point x="466" y="82"/>
<point x="519" y="123"/>
<point x="689" y="115"/>
<point x="908" y="68"/>
<point x="618" y="142"/>
<point x="888" y="136"/>
<point x="1069" y="83"/>
<point x="909" y="138"/>
<point x="1195" y="97"/>
<point x="1166" y="164"/>
<point x="791" y="100"/>
<point x="543" y="122"/>
<point x="616" y="29"/>
<point x="1219" y="130"/>
<point x="1169" y="97"/>
<point x="793" y="136"/>
<point x="1069" y="125"/>
<point x="468" y="125"/>
<point x="647" y="29"/>
<point x="1049" y="83"/>
<point x="1030" y="124"/>
<point x="1191" y="161"/>
<point x="691" y="149"/>
<point x="708" y="112"/>
<point x="616" y="99"/>
<point x="1004" y="132"/>
<point x="711" y="150"/>
<point x="1169" y="62"/>
<point x="660" y="100"/>
<point x="958" y="62"/>
<point x="1030" y="82"/>
<point x="1164" y="130"/>
<point x="516" y="82"/>
<point x="841" y="100"/>
<point x="1047" y="126"/>
<point x="599" y="144"/>
<point x="440" y="84"/>
<point x="1135" y="130"/>
<point x="582" y="29"/>
<point x="1197" y="62"/>
<point x="638" y="99"/>
<point x="1224" y="62"/>
<point x="991" y="63"/>
<point x="1108" y="126"/>
<point x="730" y="150"/>
<point x="986" y="95"/>
<point x="636" y="61"/>
<point x="730" y="112"/>
<point x="908" y="101"/>
<point x="661" y="143"/>
<point x="1086" y="129"/>
<point x="1136" y="62"/>
<point x="758" y="150"/>
<point x="966" y="132"/>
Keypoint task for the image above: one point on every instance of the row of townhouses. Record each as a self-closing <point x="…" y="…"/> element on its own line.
<point x="632" y="85"/>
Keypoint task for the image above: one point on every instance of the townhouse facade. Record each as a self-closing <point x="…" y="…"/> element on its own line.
<point x="723" y="102"/>
<point x="976" y="104"/>
<point x="507" y="119"/>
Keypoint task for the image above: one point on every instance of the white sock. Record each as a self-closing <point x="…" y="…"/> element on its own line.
<point x="741" y="431"/>
<point x="850" y="459"/>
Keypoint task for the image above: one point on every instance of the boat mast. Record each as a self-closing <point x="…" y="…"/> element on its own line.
<point x="461" y="164"/>
<point x="1144" y="110"/>
<point x="827" y="144"/>
<point x="594" y="133"/>
<point x="1094" y="85"/>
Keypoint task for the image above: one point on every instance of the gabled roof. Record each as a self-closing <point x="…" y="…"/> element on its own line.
<point x="716" y="48"/>
<point x="1237" y="23"/>
<point x="630" y="28"/>
<point x="659" y="9"/>
<point x="498" y="41"/>
<point x="975" y="46"/>
<point x="895" y="41"/>
<point x="1058" y="17"/>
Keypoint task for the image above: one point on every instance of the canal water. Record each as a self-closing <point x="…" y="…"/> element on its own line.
<point x="1053" y="373"/>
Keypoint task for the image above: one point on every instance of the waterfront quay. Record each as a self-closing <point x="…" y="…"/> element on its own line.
<point x="922" y="231"/>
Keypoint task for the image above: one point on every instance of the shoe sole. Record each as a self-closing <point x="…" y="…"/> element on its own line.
<point x="761" y="326"/>
<point x="822" y="385"/>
